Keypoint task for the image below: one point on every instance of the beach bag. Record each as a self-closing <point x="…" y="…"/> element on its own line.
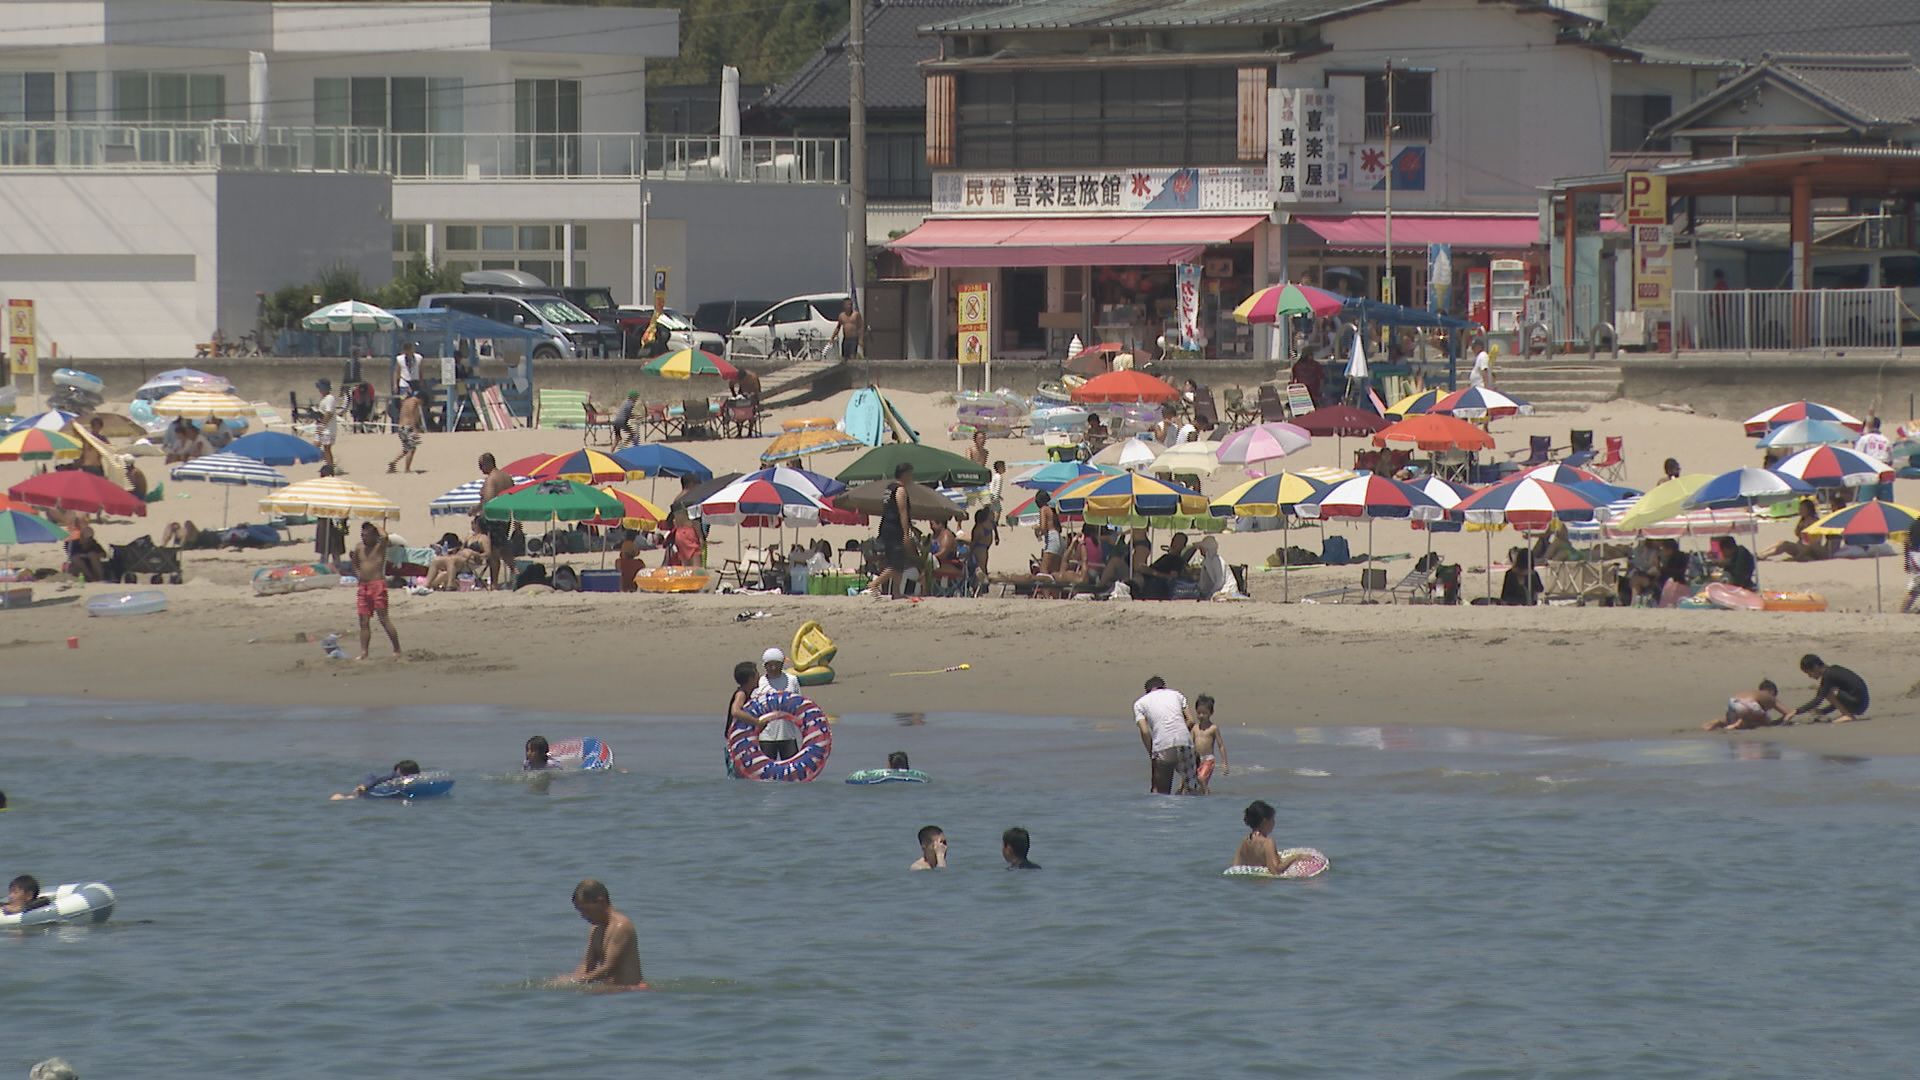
<point x="1334" y="551"/>
<point x="534" y="574"/>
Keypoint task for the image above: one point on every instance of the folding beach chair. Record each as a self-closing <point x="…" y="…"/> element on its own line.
<point x="1612" y="464"/>
<point x="1580" y="449"/>
<point x="1418" y="584"/>
<point x="1539" y="451"/>
<point x="1299" y="399"/>
<point x="1271" y="408"/>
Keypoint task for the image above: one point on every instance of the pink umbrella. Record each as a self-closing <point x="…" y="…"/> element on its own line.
<point x="1262" y="443"/>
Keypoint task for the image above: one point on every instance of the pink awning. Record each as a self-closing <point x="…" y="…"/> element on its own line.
<point x="1365" y="232"/>
<point x="1068" y="241"/>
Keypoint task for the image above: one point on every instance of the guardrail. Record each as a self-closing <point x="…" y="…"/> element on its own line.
<point x="1786" y="320"/>
<point x="214" y="144"/>
<point x="624" y="156"/>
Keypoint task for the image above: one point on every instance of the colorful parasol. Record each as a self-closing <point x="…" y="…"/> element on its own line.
<point x="1416" y="404"/>
<point x="75" y="490"/>
<point x="1434" y="432"/>
<point x="806" y="442"/>
<point x="1118" y="387"/>
<point x="203" y="405"/>
<point x="1832" y="466"/>
<point x="635" y="512"/>
<point x="331" y="497"/>
<point x="1128" y="495"/>
<point x="1187" y="459"/>
<point x="582" y="467"/>
<point x="1808" y="433"/>
<point x="1873" y="522"/>
<point x="1479" y="402"/>
<point x="464" y="499"/>
<point x="1053" y="474"/>
<point x="551" y="499"/>
<point x="37" y="444"/>
<point x="687" y="363"/>
<point x="1253" y="446"/>
<point x="757" y="496"/>
<point x="1275" y="301"/>
<point x="1372" y="496"/>
<point x="1766" y="420"/>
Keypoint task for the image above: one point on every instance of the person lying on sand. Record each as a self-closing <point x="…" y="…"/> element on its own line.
<point x="1257" y="849"/>
<point x="933" y="849"/>
<point x="612" y="960"/>
<point x="408" y="767"/>
<point x="1751" y="709"/>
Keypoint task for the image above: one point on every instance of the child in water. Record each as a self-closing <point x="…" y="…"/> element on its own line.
<point x="1751" y="709"/>
<point x="933" y="849"/>
<point x="537" y="754"/>
<point x="409" y="767"/>
<point x="1208" y="742"/>
<point x="1257" y="849"/>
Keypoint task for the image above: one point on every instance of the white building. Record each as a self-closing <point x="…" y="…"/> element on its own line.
<point x="163" y="161"/>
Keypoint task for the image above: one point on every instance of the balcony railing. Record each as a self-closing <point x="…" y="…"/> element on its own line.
<point x="617" y="156"/>
<point x="1407" y="127"/>
<point x="1788" y="320"/>
<point x="216" y="144"/>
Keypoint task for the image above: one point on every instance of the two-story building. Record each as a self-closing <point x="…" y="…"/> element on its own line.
<point x="1081" y="148"/>
<point x="162" y="162"/>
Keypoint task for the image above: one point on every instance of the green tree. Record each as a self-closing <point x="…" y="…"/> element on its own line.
<point x="416" y="279"/>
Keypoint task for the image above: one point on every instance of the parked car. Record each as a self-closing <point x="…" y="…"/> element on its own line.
<point x="570" y="331"/>
<point x="721" y="316"/>
<point x="791" y="322"/>
<point x="595" y="300"/>
<point x="682" y="335"/>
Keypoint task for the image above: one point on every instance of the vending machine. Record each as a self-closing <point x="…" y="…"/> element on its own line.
<point x="1510" y="285"/>
<point x="1478" y="292"/>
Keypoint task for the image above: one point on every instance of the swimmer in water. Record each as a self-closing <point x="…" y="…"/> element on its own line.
<point x="1014" y="846"/>
<point x="933" y="849"/>
<point x="898" y="761"/>
<point x="23" y="895"/>
<point x="612" y="961"/>
<point x="1208" y="742"/>
<point x="1257" y="849"/>
<point x="537" y="754"/>
<point x="408" y="767"/>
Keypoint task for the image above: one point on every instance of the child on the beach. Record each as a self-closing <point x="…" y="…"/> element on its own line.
<point x="1208" y="743"/>
<point x="1257" y="849"/>
<point x="1751" y="709"/>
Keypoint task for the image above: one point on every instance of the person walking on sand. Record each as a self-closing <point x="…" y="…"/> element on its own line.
<point x="893" y="535"/>
<point x="1166" y="725"/>
<point x="370" y="566"/>
<point x="410" y="428"/>
<point x="850" y="329"/>
<point x="328" y="414"/>
<point x="495" y="482"/>
<point x="612" y="960"/>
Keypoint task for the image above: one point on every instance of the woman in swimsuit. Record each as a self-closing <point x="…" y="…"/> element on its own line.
<point x="745" y="677"/>
<point x="1052" y="543"/>
<point x="1257" y="849"/>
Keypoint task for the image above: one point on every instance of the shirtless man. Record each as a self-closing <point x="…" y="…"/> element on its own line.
<point x="370" y="566"/>
<point x="933" y="849"/>
<point x="850" y="329"/>
<point x="410" y="428"/>
<point x="498" y="532"/>
<point x="612" y="961"/>
<point x="1208" y="743"/>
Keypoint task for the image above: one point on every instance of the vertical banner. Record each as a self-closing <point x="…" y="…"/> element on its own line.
<point x="1652" y="267"/>
<point x="1187" y="288"/>
<point x="22" y="351"/>
<point x="974" y="324"/>
<point x="1439" y="276"/>
<point x="1302" y="140"/>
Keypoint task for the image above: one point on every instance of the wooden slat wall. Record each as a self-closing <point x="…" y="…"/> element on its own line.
<point x="940" y="121"/>
<point x="1253" y="114"/>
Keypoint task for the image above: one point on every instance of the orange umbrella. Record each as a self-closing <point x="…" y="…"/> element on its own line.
<point x="1430" y="431"/>
<point x="1124" y="386"/>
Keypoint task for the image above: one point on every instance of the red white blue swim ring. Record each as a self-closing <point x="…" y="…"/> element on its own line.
<point x="745" y="758"/>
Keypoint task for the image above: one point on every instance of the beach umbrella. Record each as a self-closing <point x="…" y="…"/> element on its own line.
<point x="931" y="465"/>
<point x="229" y="470"/>
<point x="1357" y="363"/>
<point x="819" y="485"/>
<point x="1028" y="513"/>
<point x="653" y="460"/>
<point x="1448" y="494"/>
<point x="331" y="497"/>
<point x="1746" y="487"/>
<point x="1479" y="402"/>
<point x="1128" y="454"/>
<point x="203" y="404"/>
<point x="580" y="466"/>
<point x="112" y="426"/>
<point x="1050" y="476"/>
<point x="1559" y="473"/>
<point x="1768" y="419"/>
<point x="806" y="442"/>
<point x="1831" y="467"/>
<point x="1808" y="433"/>
<point x="50" y="420"/>
<point x="635" y="512"/>
<point x="1188" y="459"/>
<point x="1434" y="432"/>
<point x="551" y="499"/>
<point x="1873" y="522"/>
<point x="1275" y="302"/>
<point x="1129" y="495"/>
<point x="923" y="503"/>
<point x="525" y="466"/>
<point x="1094" y="359"/>
<point x="20" y="527"/>
<point x="1372" y="496"/>
<point x="1524" y="502"/>
<point x="349" y="315"/>
<point x="1124" y="387"/>
<point x="755" y="496"/>
<point x="37" y="444"/>
<point x="687" y="363"/>
<point x="1261" y="443"/>
<point x="1272" y="496"/>
<point x="76" y="490"/>
<point x="691" y="498"/>
<point x="1416" y="404"/>
<point x="464" y="499"/>
<point x="275" y="448"/>
<point x="1339" y="420"/>
<point x="1668" y="500"/>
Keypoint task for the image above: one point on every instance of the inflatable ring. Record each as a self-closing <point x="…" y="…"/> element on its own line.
<point x="1312" y="863"/>
<point x="418" y="786"/>
<point x="745" y="758"/>
<point x="590" y="755"/>
<point x="888" y="776"/>
<point x="89" y="903"/>
<point x="1792" y="601"/>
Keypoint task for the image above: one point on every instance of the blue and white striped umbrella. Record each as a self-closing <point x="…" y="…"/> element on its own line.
<point x="229" y="468"/>
<point x="51" y="420"/>
<point x="1747" y="487"/>
<point x="464" y="499"/>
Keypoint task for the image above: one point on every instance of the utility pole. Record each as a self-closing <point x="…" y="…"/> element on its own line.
<point x="1386" y="285"/>
<point x="857" y="154"/>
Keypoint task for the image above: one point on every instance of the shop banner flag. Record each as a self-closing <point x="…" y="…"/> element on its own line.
<point x="1187" y="282"/>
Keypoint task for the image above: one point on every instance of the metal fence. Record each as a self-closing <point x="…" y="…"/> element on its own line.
<point x="523" y="156"/>
<point x="215" y="144"/>
<point x="1786" y="320"/>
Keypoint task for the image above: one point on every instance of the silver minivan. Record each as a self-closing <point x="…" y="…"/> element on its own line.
<point x="570" y="332"/>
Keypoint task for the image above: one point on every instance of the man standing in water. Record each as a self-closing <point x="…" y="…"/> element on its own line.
<point x="613" y="949"/>
<point x="495" y="481"/>
<point x="1166" y="729"/>
<point x="370" y="566"/>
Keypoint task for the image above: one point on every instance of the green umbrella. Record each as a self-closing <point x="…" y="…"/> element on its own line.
<point x="551" y="500"/>
<point x="931" y="465"/>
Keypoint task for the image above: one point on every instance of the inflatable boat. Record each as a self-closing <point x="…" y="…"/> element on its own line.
<point x="77" y="904"/>
<point x="888" y="776"/>
<point x="295" y="577"/>
<point x="79" y="380"/>
<point x="745" y="758"/>
<point x="583" y="755"/>
<point x="423" y="785"/>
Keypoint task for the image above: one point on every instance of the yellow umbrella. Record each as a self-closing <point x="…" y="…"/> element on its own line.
<point x="203" y="404"/>
<point x="637" y="513"/>
<point x="805" y="442"/>
<point x="331" y="497"/>
<point x="37" y="444"/>
<point x="1663" y="502"/>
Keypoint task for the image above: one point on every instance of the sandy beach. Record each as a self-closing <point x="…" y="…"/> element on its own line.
<point x="1578" y="672"/>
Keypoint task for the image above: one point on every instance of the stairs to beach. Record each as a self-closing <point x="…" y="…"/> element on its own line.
<point x="1559" y="384"/>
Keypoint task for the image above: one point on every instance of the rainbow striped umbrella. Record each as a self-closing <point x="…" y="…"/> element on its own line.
<point x="635" y="512"/>
<point x="50" y="420"/>
<point x="581" y="467"/>
<point x="1873" y="522"/>
<point x="1415" y="404"/>
<point x="1832" y="466"/>
<point x="1780" y="415"/>
<point x="1479" y="402"/>
<point x="1277" y="301"/>
<point x="20" y="527"/>
<point x="37" y="444"/>
<point x="686" y="363"/>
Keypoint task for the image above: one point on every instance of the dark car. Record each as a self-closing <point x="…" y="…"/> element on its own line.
<point x="722" y="316"/>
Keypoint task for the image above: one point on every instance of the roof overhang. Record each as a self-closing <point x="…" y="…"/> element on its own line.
<point x="1864" y="172"/>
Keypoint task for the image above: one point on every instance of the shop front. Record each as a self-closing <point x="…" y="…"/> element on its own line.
<point x="1463" y="264"/>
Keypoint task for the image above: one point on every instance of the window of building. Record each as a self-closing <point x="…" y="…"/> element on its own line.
<point x="1412" y="106"/>
<point x="160" y="97"/>
<point x="1634" y="115"/>
<point x="411" y="239"/>
<point x="83" y="97"/>
<point x="424" y="116"/>
<point x="1121" y="117"/>
<point x="546" y="121"/>
<point x="27" y="97"/>
<point x="897" y="166"/>
<point x="496" y="238"/>
<point x="534" y="249"/>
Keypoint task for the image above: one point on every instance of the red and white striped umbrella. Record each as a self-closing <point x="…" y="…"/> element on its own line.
<point x="1833" y="466"/>
<point x="1526" y="503"/>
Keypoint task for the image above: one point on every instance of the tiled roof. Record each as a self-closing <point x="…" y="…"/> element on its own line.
<point x="1862" y="91"/>
<point x="894" y="48"/>
<point x="1746" y="29"/>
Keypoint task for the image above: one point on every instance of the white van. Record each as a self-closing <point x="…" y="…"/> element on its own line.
<point x="794" y="322"/>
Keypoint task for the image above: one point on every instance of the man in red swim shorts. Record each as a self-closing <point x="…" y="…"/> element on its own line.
<point x="370" y="566"/>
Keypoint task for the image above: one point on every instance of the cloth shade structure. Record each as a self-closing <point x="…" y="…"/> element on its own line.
<point x="651" y="460"/>
<point x="1555" y="472"/>
<point x="1357" y="361"/>
<point x="1071" y="241"/>
<point x="1272" y="496"/>
<point x="1187" y="459"/>
<point x="1276" y="302"/>
<point x="1479" y="402"/>
<point x="582" y="467"/>
<point x="1873" y="522"/>
<point x="820" y="485"/>
<point x="181" y="378"/>
<point x="551" y="499"/>
<point x="692" y="497"/>
<point x="229" y="470"/>
<point x="1261" y="443"/>
<point x="923" y="503"/>
<point x="1780" y="415"/>
<point x="203" y="405"/>
<point x="38" y="444"/>
<point x="1800" y="433"/>
<point x="1831" y="467"/>
<point x="75" y="490"/>
<point x="1415" y="404"/>
<point x="1463" y="232"/>
<point x="331" y="497"/>
<point x="274" y="448"/>
<point x="1129" y="495"/>
<point x="526" y="465"/>
<point x="50" y="420"/>
<point x="1448" y="494"/>
<point x="21" y="527"/>
<point x="687" y="363"/>
<point x="931" y="465"/>
<point x="1525" y="502"/>
<point x="464" y="499"/>
<point x="1124" y="387"/>
<point x="1433" y="432"/>
<point x="1668" y="500"/>
<point x="635" y="512"/>
<point x="806" y="442"/>
<point x="351" y="315"/>
<point x="1372" y="496"/>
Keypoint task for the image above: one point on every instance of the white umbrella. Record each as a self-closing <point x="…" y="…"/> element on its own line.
<point x="351" y="315"/>
<point x="1128" y="454"/>
<point x="1189" y="459"/>
<point x="1357" y="364"/>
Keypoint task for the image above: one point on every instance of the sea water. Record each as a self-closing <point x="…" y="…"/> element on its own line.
<point x="1498" y="906"/>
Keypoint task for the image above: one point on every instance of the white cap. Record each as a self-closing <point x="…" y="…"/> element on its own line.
<point x="772" y="655"/>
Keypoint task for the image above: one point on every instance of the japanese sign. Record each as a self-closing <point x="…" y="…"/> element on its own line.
<point x="974" y="323"/>
<point x="1652" y="267"/>
<point x="1646" y="199"/>
<point x="1370" y="168"/>
<point x="1302" y="144"/>
<point x="22" y="351"/>
<point x="1186" y="278"/>
<point x="1104" y="191"/>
